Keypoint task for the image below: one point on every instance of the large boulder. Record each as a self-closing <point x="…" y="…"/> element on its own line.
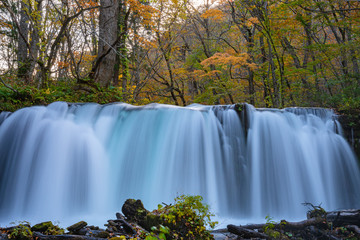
<point x="134" y="210"/>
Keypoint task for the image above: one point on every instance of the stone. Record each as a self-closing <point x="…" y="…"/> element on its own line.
<point x="119" y="216"/>
<point x="42" y="227"/>
<point x="77" y="226"/>
<point x="134" y="210"/>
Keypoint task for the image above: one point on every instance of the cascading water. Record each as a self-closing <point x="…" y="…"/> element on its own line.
<point x="81" y="161"/>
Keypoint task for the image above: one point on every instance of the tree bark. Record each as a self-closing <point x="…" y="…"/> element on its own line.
<point x="246" y="233"/>
<point x="22" y="54"/>
<point x="108" y="33"/>
<point x="122" y="60"/>
<point x="285" y="225"/>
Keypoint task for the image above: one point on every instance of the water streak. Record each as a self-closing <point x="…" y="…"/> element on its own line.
<point x="65" y="162"/>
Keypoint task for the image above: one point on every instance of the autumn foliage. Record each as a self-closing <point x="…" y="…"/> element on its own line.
<point x="268" y="53"/>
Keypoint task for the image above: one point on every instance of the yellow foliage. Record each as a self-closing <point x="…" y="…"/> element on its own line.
<point x="197" y="73"/>
<point x="252" y="21"/>
<point x="215" y="14"/>
<point x="210" y="74"/>
<point x="145" y="12"/>
<point x="225" y="59"/>
<point x="180" y="71"/>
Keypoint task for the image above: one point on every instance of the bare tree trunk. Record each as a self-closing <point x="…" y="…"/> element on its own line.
<point x="35" y="38"/>
<point x="22" y="54"/>
<point x="108" y="33"/>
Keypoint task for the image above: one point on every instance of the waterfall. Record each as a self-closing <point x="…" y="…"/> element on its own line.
<point x="72" y="162"/>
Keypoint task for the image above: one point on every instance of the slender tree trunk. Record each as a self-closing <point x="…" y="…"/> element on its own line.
<point x="168" y="65"/>
<point x="121" y="72"/>
<point x="94" y="40"/>
<point x="275" y="83"/>
<point x="35" y="37"/>
<point x="123" y="51"/>
<point x="355" y="65"/>
<point x="267" y="90"/>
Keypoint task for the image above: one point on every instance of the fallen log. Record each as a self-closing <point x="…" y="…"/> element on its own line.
<point x="246" y="233"/>
<point x="40" y="236"/>
<point x="285" y="225"/>
<point x="354" y="228"/>
<point x="293" y="226"/>
<point x="322" y="234"/>
<point x="344" y="217"/>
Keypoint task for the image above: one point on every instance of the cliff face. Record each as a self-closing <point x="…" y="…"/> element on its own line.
<point x="350" y="121"/>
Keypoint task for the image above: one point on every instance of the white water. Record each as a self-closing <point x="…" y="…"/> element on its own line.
<point x="70" y="163"/>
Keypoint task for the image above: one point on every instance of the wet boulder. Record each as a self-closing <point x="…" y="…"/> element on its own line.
<point x="134" y="210"/>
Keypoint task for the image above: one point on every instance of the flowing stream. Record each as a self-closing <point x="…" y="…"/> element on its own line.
<point x="82" y="161"/>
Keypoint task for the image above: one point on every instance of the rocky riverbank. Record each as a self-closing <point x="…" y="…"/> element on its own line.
<point x="138" y="223"/>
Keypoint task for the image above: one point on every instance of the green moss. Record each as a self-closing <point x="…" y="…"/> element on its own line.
<point x="118" y="238"/>
<point x="48" y="228"/>
<point x="21" y="232"/>
<point x="77" y="226"/>
<point x="151" y="220"/>
<point x="42" y="227"/>
<point x="28" y="95"/>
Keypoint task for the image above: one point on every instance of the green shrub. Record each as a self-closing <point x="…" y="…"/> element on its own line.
<point x="188" y="218"/>
<point x="269" y="228"/>
<point x="21" y="232"/>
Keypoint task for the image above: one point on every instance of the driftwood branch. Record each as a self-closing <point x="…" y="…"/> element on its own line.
<point x="354" y="228"/>
<point x="8" y="86"/>
<point x="285" y="225"/>
<point x="41" y="236"/>
<point x="344" y="217"/>
<point x="320" y="227"/>
<point x="246" y="233"/>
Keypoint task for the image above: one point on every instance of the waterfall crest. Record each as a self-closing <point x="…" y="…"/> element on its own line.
<point x="65" y="162"/>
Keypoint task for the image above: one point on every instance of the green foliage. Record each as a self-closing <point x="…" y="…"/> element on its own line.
<point x="270" y="224"/>
<point x="269" y="228"/>
<point x="315" y="211"/>
<point x="186" y="219"/>
<point x="28" y="95"/>
<point x="21" y="232"/>
<point x="158" y="233"/>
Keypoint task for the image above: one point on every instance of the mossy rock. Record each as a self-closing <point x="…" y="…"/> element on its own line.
<point x="47" y="228"/>
<point x="134" y="210"/>
<point x="21" y="232"/>
<point x="42" y="227"/>
<point x="77" y="226"/>
<point x="151" y="220"/>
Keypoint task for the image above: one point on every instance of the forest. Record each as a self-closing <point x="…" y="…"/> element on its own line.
<point x="264" y="52"/>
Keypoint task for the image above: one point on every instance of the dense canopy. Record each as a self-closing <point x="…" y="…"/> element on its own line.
<point x="268" y="53"/>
